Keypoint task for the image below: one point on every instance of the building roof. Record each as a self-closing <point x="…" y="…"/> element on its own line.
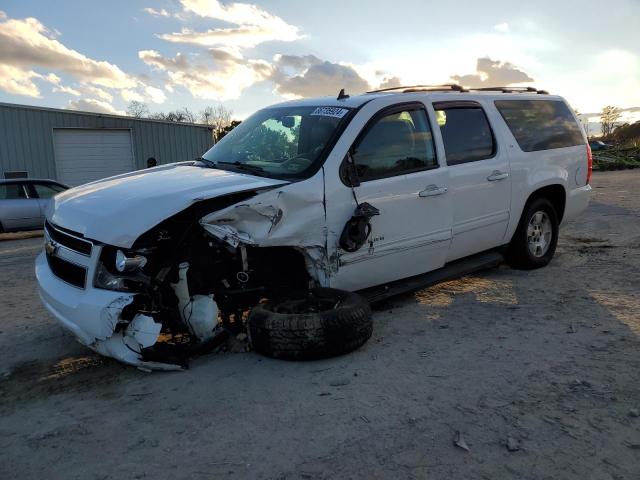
<point x="94" y="114"/>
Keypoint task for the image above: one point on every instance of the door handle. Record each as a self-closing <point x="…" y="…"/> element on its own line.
<point x="432" y="191"/>
<point x="497" y="175"/>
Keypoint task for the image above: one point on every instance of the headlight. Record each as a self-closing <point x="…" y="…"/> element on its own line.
<point x="129" y="264"/>
<point x="116" y="271"/>
<point x="108" y="281"/>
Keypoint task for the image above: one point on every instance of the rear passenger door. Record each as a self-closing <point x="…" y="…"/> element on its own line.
<point x="479" y="177"/>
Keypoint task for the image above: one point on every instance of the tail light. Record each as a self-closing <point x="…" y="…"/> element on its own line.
<point x="589" y="164"/>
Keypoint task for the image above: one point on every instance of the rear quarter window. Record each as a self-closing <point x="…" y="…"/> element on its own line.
<point x="540" y="124"/>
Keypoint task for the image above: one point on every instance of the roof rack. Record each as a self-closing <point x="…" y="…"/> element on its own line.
<point x="423" y="88"/>
<point x="458" y="88"/>
<point x="510" y="90"/>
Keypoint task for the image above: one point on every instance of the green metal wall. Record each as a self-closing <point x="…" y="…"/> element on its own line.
<point x="26" y="138"/>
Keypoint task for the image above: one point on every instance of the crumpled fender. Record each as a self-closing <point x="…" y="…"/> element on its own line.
<point x="291" y="215"/>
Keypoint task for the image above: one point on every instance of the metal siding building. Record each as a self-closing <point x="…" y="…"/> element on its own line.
<point x="81" y="146"/>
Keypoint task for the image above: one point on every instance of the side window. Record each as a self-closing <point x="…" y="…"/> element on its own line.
<point x="540" y="124"/>
<point x="396" y="144"/>
<point x="47" y="191"/>
<point x="466" y="133"/>
<point x="11" y="191"/>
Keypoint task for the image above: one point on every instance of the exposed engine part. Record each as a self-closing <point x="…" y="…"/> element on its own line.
<point x="198" y="312"/>
<point x="243" y="256"/>
<point x="358" y="228"/>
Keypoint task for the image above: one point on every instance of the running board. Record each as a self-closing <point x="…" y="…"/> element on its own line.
<point x="456" y="269"/>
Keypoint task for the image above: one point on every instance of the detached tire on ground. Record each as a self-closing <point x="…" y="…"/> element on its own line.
<point x="319" y="323"/>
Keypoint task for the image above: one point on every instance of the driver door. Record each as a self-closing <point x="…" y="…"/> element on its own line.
<point x="399" y="174"/>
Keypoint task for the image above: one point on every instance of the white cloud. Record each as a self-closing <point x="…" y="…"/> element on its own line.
<point x="18" y="81"/>
<point x="93" y="105"/>
<point x="156" y="13"/>
<point x="68" y="90"/>
<point x="155" y="94"/>
<point x="2" y="15"/>
<point x="52" y="78"/>
<point x="253" y="26"/>
<point x="222" y="76"/>
<point x="98" y="92"/>
<point x="492" y="73"/>
<point x="149" y="94"/>
<point x="27" y="45"/>
<point x="501" y="27"/>
<point x="309" y="76"/>
<point x="390" y="82"/>
<point x="131" y="96"/>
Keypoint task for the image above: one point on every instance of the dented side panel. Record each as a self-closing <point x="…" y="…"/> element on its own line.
<point x="291" y="215"/>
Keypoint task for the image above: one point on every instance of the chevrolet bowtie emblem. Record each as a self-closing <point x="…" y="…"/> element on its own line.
<point x="50" y="247"/>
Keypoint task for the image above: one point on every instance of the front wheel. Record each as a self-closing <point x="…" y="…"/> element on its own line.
<point x="534" y="242"/>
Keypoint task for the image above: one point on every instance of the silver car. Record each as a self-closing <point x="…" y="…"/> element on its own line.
<point x="23" y="203"/>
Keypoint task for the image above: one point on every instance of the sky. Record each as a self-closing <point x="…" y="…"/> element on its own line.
<point x="100" y="55"/>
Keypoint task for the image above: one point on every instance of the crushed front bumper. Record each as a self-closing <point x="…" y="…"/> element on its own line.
<point x="91" y="314"/>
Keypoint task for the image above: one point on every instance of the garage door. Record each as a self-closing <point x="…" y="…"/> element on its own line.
<point x="84" y="155"/>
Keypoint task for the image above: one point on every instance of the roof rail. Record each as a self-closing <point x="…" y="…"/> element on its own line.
<point x="510" y="90"/>
<point x="423" y="88"/>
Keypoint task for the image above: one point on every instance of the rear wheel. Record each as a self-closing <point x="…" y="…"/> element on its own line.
<point x="534" y="242"/>
<point x="319" y="323"/>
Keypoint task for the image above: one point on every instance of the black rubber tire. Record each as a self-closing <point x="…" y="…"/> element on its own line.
<point x="518" y="254"/>
<point x="310" y="336"/>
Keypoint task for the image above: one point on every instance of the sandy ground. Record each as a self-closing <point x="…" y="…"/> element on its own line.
<point x="20" y="235"/>
<point x="549" y="359"/>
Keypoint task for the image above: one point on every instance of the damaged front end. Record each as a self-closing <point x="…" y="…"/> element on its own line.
<point x="185" y="284"/>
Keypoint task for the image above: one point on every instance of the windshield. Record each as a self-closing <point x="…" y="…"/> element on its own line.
<point x="281" y="142"/>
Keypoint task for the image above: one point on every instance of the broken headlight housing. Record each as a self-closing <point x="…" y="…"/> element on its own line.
<point x="120" y="271"/>
<point x="129" y="264"/>
<point x="108" y="281"/>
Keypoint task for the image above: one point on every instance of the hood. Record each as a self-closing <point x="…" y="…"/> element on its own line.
<point x="117" y="210"/>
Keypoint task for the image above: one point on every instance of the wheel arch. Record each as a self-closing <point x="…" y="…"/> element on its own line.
<point x="555" y="193"/>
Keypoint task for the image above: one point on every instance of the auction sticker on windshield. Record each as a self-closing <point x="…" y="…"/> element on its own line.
<point x="336" y="112"/>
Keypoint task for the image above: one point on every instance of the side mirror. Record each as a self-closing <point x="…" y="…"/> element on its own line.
<point x="351" y="172"/>
<point x="288" y="122"/>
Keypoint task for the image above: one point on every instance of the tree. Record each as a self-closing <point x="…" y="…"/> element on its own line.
<point x="219" y="117"/>
<point x="628" y="133"/>
<point x="137" y="109"/>
<point x="608" y="118"/>
<point x="180" y="115"/>
<point x="228" y="128"/>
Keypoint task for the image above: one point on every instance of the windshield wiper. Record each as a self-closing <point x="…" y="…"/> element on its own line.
<point x="207" y="163"/>
<point x="244" y="166"/>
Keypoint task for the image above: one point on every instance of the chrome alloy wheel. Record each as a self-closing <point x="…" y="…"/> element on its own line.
<point x="539" y="234"/>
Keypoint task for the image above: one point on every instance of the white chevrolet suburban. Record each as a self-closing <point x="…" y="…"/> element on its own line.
<point x="303" y="204"/>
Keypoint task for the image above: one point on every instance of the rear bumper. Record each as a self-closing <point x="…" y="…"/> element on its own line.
<point x="577" y="202"/>
<point x="91" y="314"/>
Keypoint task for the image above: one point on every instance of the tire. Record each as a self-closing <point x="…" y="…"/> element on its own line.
<point x="1" y="228"/>
<point x="524" y="252"/>
<point x="308" y="325"/>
